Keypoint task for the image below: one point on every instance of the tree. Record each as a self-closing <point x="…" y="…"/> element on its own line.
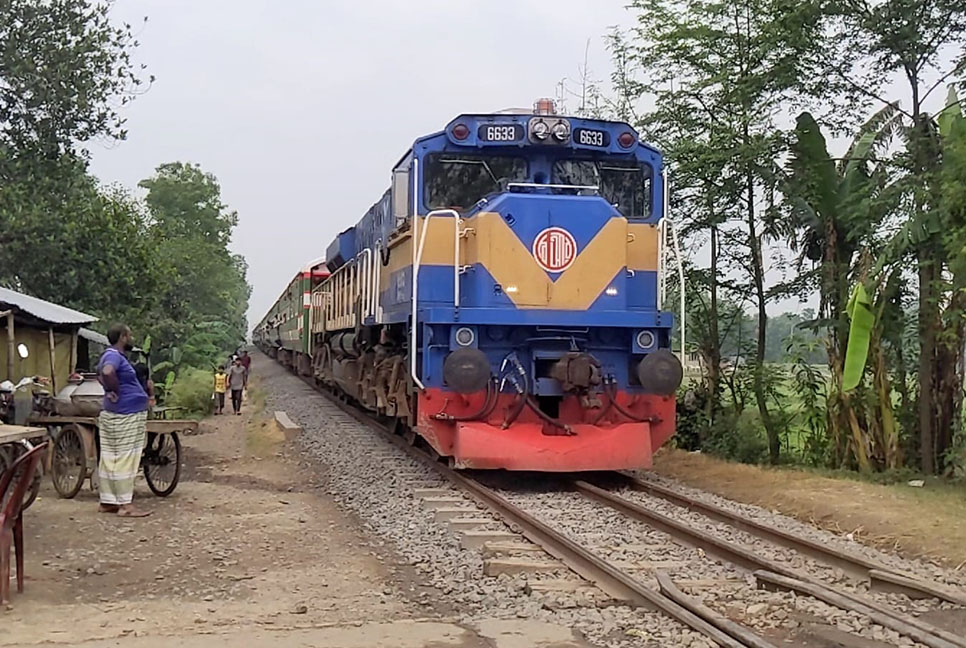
<point x="921" y="43"/>
<point x="64" y="69"/>
<point x="720" y="72"/>
<point x="836" y="209"/>
<point x="71" y="242"/>
<point x="202" y="304"/>
<point x="186" y="203"/>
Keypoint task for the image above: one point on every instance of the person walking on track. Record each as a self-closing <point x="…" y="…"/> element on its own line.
<point x="236" y="382"/>
<point x="246" y="361"/>
<point x="121" y="425"/>
<point x="221" y="386"/>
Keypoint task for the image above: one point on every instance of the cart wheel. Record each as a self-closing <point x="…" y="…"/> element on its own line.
<point x="68" y="466"/>
<point x="34" y="490"/>
<point x="162" y="463"/>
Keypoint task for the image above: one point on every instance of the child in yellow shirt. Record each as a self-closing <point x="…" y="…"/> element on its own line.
<point x="221" y="386"/>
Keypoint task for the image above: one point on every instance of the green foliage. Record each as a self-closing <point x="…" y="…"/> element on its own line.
<point x="809" y="387"/>
<point x="740" y="437"/>
<point x="192" y="391"/>
<point x="860" y="335"/>
<point x="85" y="247"/>
<point x="65" y="69"/>
<point x="202" y="302"/>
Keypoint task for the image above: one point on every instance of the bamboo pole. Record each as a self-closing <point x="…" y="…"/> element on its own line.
<point x="50" y="348"/>
<point x="11" y="346"/>
<point x="72" y="363"/>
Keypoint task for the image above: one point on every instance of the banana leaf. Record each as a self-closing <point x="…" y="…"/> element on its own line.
<point x="859" y="310"/>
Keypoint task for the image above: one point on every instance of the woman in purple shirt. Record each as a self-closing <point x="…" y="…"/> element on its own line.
<point x="121" y="425"/>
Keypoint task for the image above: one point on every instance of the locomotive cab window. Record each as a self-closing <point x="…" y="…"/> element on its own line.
<point x="624" y="184"/>
<point x="460" y="181"/>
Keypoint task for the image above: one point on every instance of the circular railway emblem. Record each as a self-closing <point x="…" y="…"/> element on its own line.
<point x="555" y="249"/>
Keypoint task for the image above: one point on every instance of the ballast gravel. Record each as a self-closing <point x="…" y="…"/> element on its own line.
<point x="375" y="481"/>
<point x="922" y="568"/>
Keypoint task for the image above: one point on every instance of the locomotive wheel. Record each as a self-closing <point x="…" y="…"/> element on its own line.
<point x="162" y="463"/>
<point x="68" y="466"/>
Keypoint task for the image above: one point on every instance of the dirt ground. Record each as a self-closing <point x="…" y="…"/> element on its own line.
<point x="248" y="549"/>
<point x="927" y="522"/>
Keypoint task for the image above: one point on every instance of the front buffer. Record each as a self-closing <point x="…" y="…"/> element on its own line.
<point x="529" y="444"/>
<point x="525" y="447"/>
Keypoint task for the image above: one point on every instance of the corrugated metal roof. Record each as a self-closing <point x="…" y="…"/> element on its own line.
<point x="42" y="310"/>
<point x="93" y="336"/>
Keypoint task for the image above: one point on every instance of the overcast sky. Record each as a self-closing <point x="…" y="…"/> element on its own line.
<point x="300" y="108"/>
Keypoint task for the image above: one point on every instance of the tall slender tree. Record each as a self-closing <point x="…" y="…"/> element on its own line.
<point x="720" y="73"/>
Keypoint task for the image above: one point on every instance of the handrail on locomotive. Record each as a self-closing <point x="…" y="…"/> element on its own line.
<point x="417" y="260"/>
<point x="665" y="227"/>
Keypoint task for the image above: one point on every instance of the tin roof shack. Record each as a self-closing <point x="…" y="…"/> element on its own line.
<point x="90" y="346"/>
<point x="47" y="333"/>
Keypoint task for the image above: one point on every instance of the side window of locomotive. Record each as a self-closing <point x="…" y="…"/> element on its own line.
<point x="624" y="184"/>
<point x="460" y="181"/>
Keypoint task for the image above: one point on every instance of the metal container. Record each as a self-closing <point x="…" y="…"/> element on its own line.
<point x="80" y="398"/>
<point x="88" y="398"/>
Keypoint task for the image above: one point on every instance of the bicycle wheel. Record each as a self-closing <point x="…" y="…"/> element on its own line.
<point x="68" y="466"/>
<point x="162" y="463"/>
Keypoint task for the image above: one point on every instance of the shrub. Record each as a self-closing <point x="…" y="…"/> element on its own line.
<point x="192" y="391"/>
<point x="740" y="437"/>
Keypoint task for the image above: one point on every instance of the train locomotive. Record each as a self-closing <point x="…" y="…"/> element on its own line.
<point x="501" y="300"/>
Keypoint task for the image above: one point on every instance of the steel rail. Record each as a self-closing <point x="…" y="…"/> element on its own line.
<point x="580" y="560"/>
<point x="881" y="577"/>
<point x="750" y="561"/>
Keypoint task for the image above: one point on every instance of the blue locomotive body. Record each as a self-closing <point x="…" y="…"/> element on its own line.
<point x="502" y="297"/>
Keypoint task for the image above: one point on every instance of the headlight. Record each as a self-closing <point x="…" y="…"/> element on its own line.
<point x="645" y="339"/>
<point x="464" y="336"/>
<point x="561" y="131"/>
<point x="540" y="130"/>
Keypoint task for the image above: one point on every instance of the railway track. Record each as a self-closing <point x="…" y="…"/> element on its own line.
<point x="667" y="598"/>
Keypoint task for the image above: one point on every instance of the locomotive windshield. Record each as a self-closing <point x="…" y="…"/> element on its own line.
<point x="627" y="185"/>
<point x="459" y="181"/>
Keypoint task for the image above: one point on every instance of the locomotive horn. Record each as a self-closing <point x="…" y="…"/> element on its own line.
<point x="466" y="370"/>
<point x="660" y="372"/>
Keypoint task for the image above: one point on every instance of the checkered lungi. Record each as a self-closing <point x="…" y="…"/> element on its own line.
<point x="122" y="442"/>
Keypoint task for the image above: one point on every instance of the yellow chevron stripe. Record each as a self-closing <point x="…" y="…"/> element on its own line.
<point x="497" y="248"/>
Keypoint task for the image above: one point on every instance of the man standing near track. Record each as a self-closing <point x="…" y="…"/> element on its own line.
<point x="121" y="425"/>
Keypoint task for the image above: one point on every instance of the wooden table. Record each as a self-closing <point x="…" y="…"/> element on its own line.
<point x="15" y="433"/>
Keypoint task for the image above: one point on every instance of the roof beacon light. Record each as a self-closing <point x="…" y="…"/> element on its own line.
<point x="626" y="140"/>
<point x="461" y="131"/>
<point x="544" y="106"/>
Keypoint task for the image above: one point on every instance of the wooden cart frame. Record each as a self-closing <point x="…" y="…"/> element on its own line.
<point x="73" y="455"/>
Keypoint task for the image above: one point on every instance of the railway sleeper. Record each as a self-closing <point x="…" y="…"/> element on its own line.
<point x="748" y="560"/>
